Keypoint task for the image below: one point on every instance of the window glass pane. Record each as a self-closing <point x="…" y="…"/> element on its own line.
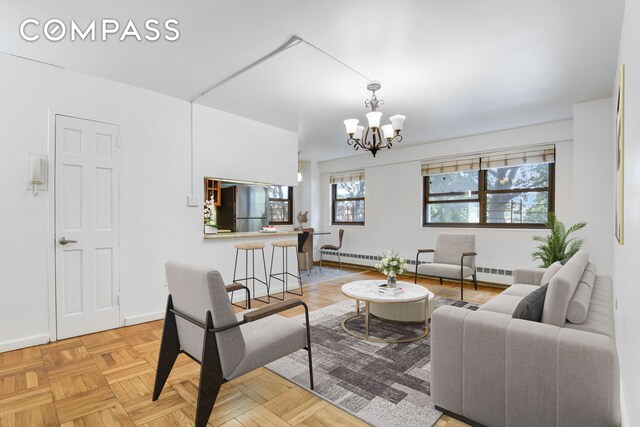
<point x="349" y="211"/>
<point x="455" y="184"/>
<point x="278" y="192"/>
<point x="278" y="211"/>
<point x="467" y="195"/>
<point x="347" y="190"/>
<point x="517" y="208"/>
<point x="459" y="212"/>
<point x="514" y="177"/>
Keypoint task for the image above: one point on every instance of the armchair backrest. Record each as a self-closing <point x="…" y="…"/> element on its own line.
<point x="194" y="291"/>
<point x="451" y="246"/>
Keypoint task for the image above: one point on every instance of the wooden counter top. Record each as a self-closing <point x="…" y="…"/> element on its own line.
<point x="253" y="234"/>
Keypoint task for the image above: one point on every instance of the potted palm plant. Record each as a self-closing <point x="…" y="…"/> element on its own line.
<point x="557" y="245"/>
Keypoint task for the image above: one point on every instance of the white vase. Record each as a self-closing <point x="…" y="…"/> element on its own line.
<point x="210" y="230"/>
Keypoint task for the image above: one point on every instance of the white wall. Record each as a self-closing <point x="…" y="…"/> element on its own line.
<point x="625" y="258"/>
<point x="156" y="223"/>
<point x="593" y="200"/>
<point x="394" y="192"/>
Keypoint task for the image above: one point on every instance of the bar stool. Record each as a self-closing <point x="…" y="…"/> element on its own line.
<point x="253" y="247"/>
<point x="285" y="244"/>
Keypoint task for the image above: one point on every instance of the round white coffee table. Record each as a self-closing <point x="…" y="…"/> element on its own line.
<point x="367" y="291"/>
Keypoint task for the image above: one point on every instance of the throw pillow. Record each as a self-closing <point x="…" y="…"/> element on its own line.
<point x="551" y="271"/>
<point x="530" y="308"/>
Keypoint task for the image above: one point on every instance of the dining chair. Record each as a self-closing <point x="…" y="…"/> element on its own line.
<point x="333" y="248"/>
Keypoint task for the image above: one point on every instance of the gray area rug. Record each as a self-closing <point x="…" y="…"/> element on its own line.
<point x="326" y="274"/>
<point x="382" y="384"/>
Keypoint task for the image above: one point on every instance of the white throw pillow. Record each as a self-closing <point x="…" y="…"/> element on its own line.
<point x="551" y="271"/>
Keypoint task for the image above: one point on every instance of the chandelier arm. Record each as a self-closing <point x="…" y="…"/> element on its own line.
<point x="365" y="139"/>
<point x="382" y="141"/>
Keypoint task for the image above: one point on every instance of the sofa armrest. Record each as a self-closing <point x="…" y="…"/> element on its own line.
<point x="528" y="275"/>
<point x="497" y="370"/>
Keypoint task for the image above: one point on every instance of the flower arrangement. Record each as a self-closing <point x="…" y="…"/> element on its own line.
<point x="303" y="218"/>
<point x="209" y="213"/>
<point x="391" y="265"/>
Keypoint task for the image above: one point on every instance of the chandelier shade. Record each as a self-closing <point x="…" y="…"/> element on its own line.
<point x="351" y="125"/>
<point x="397" y="121"/>
<point x="375" y="136"/>
<point x="374" y="119"/>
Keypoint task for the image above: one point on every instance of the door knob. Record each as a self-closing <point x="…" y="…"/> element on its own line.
<point x="63" y="241"/>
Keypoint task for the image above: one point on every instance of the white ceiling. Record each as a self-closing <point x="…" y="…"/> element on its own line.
<point x="454" y="68"/>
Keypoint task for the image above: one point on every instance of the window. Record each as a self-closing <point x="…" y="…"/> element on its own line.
<point x="280" y="204"/>
<point x="452" y="198"/>
<point x="348" y="202"/>
<point x="517" y="193"/>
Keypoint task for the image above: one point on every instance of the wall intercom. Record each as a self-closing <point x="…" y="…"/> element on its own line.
<point x="36" y="172"/>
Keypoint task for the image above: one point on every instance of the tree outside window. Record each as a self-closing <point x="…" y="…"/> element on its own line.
<point x="348" y="202"/>
<point x="517" y="196"/>
<point x="280" y="204"/>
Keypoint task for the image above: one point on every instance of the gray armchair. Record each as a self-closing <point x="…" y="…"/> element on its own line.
<point x="453" y="258"/>
<point x="200" y="322"/>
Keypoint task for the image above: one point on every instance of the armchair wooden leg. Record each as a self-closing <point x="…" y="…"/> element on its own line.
<point x="211" y="378"/>
<point x="475" y="280"/>
<point x="169" y="350"/>
<point x="441" y="281"/>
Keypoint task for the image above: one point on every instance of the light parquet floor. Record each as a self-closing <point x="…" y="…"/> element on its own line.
<point x="106" y="378"/>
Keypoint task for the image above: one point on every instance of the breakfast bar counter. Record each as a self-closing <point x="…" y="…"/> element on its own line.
<point x="250" y="234"/>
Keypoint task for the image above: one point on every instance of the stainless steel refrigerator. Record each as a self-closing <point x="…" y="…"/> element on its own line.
<point x="243" y="208"/>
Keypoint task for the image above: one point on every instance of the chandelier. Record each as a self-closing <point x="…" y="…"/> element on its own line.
<point x="371" y="138"/>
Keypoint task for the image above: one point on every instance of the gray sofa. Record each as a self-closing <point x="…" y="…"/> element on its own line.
<point x="490" y="369"/>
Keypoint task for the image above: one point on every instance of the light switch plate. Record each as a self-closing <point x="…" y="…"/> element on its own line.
<point x="192" y="201"/>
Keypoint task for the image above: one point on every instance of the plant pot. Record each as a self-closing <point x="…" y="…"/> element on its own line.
<point x="210" y="230"/>
<point x="391" y="281"/>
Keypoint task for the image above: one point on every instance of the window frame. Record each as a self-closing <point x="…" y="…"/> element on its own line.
<point x="288" y="200"/>
<point x="334" y="199"/>
<point x="482" y="199"/>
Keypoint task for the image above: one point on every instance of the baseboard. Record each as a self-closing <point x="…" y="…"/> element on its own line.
<point x="143" y="318"/>
<point x="624" y="415"/>
<point x="24" y="342"/>
<point x="408" y="277"/>
<point x="459" y="417"/>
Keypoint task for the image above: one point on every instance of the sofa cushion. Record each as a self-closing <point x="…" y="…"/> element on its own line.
<point x="505" y="304"/>
<point x="520" y="290"/>
<point x="530" y="308"/>
<point x="551" y="271"/>
<point x="579" y="304"/>
<point x="562" y="287"/>
<point x="600" y="318"/>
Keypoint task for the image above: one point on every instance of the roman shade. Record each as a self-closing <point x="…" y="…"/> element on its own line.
<point x="540" y="154"/>
<point x="346" y="177"/>
<point x="450" y="164"/>
<point x="490" y="159"/>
